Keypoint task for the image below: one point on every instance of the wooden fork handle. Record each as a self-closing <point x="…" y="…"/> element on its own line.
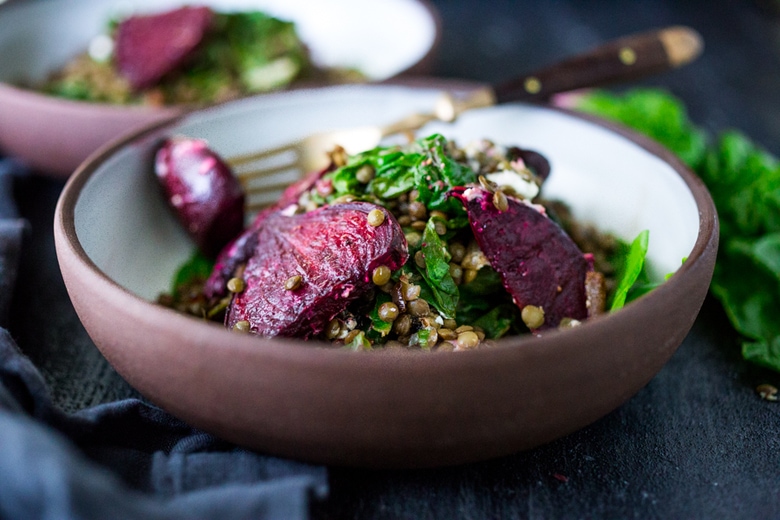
<point x="625" y="59"/>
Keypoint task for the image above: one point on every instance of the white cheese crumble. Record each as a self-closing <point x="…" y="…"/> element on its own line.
<point x="522" y="186"/>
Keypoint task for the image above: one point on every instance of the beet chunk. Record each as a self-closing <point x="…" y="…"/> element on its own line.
<point x="240" y="249"/>
<point x="333" y="249"/>
<point x="535" y="161"/>
<point x="537" y="261"/>
<point x="149" y="47"/>
<point x="200" y="187"/>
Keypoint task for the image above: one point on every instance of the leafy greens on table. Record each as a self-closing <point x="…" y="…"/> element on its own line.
<point x="744" y="181"/>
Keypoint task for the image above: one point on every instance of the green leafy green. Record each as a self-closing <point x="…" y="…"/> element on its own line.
<point x="630" y="271"/>
<point x="482" y="295"/>
<point x="437" y="174"/>
<point x="765" y="353"/>
<point x="744" y="181"/>
<point x="394" y="174"/>
<point x="197" y="267"/>
<point x="437" y="271"/>
<point x="423" y="166"/>
<point x="498" y="321"/>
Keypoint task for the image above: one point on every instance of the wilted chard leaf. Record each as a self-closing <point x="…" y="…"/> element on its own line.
<point x="437" y="271"/>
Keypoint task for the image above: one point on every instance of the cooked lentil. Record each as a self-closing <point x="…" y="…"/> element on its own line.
<point x="767" y="392"/>
<point x="365" y="174"/>
<point x="381" y="275"/>
<point x="388" y="312"/>
<point x="375" y="217"/>
<point x="532" y="316"/>
<point x="241" y="326"/>
<point x="293" y="282"/>
<point x="235" y="285"/>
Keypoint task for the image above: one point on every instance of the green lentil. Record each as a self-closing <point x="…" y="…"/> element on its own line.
<point x="468" y="339"/>
<point x="241" y="326"/>
<point x="235" y="285"/>
<point x="410" y="291"/>
<point x="365" y="174"/>
<point x="381" y="275"/>
<point x="333" y="329"/>
<point x="532" y="316"/>
<point x="388" y="312"/>
<point x="419" y="259"/>
<point x="375" y="217"/>
<point x="419" y="308"/>
<point x="402" y="325"/>
<point x="293" y="282"/>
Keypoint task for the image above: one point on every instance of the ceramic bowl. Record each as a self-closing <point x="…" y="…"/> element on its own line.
<point x="382" y="38"/>
<point x="118" y="247"/>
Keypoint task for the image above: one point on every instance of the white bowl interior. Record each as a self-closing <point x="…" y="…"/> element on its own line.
<point x="381" y="38"/>
<point x="124" y="226"/>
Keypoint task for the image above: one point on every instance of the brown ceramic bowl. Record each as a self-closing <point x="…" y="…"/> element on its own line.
<point x="382" y="38"/>
<point x="118" y="247"/>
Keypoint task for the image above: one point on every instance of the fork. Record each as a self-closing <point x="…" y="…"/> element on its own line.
<point x="265" y="173"/>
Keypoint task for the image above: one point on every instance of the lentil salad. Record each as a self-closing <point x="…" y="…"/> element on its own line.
<point x="190" y="55"/>
<point x="447" y="249"/>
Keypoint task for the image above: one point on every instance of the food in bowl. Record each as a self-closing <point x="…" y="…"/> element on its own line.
<point x="189" y="55"/>
<point x="118" y="246"/>
<point x="427" y="246"/>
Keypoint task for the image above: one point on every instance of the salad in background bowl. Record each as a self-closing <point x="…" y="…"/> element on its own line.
<point x="119" y="245"/>
<point x="53" y="134"/>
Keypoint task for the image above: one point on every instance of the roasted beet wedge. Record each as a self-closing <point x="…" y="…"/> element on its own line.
<point x="538" y="262"/>
<point x="333" y="250"/>
<point x="535" y="161"/>
<point x="239" y="250"/>
<point x="149" y="47"/>
<point x="200" y="187"/>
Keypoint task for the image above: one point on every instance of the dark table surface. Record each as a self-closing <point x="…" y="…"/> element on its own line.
<point x="696" y="442"/>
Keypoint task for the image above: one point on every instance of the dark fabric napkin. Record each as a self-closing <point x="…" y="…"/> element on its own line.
<point x="125" y="459"/>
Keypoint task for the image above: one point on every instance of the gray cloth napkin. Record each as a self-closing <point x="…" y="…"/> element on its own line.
<point x="125" y="459"/>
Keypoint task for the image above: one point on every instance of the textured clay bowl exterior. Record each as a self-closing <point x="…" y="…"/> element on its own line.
<point x="54" y="135"/>
<point x="289" y="398"/>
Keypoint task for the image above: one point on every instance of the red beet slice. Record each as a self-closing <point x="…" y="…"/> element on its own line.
<point x="538" y="262"/>
<point x="149" y="47"/>
<point x="240" y="249"/>
<point x="535" y="161"/>
<point x="333" y="249"/>
<point x="200" y="187"/>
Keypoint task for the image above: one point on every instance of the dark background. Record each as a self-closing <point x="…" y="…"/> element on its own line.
<point x="696" y="442"/>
